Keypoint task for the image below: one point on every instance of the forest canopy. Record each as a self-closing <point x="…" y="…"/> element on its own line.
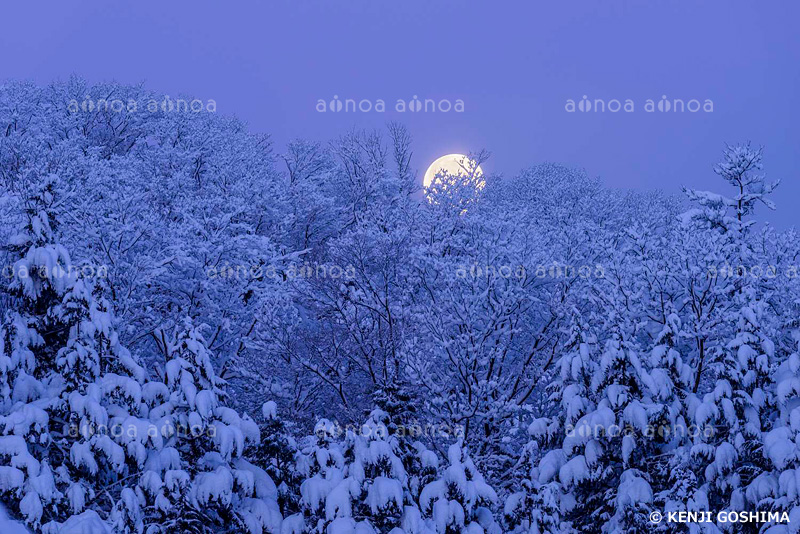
<point x="204" y="333"/>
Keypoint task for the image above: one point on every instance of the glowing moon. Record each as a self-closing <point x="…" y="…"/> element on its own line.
<point x="452" y="164"/>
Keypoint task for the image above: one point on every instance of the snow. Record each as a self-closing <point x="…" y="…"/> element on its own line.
<point x="31" y="508"/>
<point x="269" y="410"/>
<point x="448" y="513"/>
<point x="264" y="516"/>
<point x="341" y="525"/>
<point x="263" y="486"/>
<point x="10" y="478"/>
<point x="214" y="486"/>
<point x="293" y="524"/>
<point x="633" y="489"/>
<point x="315" y="490"/>
<point x="8" y="525"/>
<point x="574" y="471"/>
<point x="76" y="495"/>
<point x="338" y="500"/>
<point x="598" y="421"/>
<point x="382" y="492"/>
<point x="550" y="465"/>
<point x="779" y="447"/>
<point x="86" y="523"/>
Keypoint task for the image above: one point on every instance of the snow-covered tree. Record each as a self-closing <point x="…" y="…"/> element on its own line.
<point x="735" y="415"/>
<point x="379" y="472"/>
<point x="609" y="477"/>
<point x="460" y="500"/>
<point x="356" y="484"/>
<point x="68" y="385"/>
<point x="672" y="479"/>
<point x="541" y="504"/>
<point x="322" y="463"/>
<point x="276" y="453"/>
<point x="776" y="488"/>
<point x="740" y="169"/>
<point x="198" y="480"/>
<point x="404" y="428"/>
<point x="593" y="466"/>
<point x="31" y="337"/>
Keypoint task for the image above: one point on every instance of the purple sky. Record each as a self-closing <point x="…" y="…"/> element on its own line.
<point x="514" y="65"/>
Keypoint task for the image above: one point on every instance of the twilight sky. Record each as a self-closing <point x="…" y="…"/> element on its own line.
<point x="514" y="64"/>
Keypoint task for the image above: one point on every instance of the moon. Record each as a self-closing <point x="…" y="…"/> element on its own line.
<point x="452" y="164"/>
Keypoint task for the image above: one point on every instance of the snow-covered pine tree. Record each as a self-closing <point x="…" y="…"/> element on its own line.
<point x="30" y="339"/>
<point x="670" y="380"/>
<point x="542" y="502"/>
<point x="102" y="392"/>
<point x="539" y="502"/>
<point x="734" y="416"/>
<point x="460" y="500"/>
<point x="321" y="462"/>
<point x="41" y="274"/>
<point x="601" y="461"/>
<point x="276" y="453"/>
<point x="404" y="429"/>
<point x="379" y="473"/>
<point x="715" y="247"/>
<point x="396" y="401"/>
<point x="358" y="484"/>
<point x="199" y="481"/>
<point x="615" y="489"/>
<point x="670" y="472"/>
<point x="69" y="383"/>
<point x="740" y="168"/>
<point x="777" y="488"/>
